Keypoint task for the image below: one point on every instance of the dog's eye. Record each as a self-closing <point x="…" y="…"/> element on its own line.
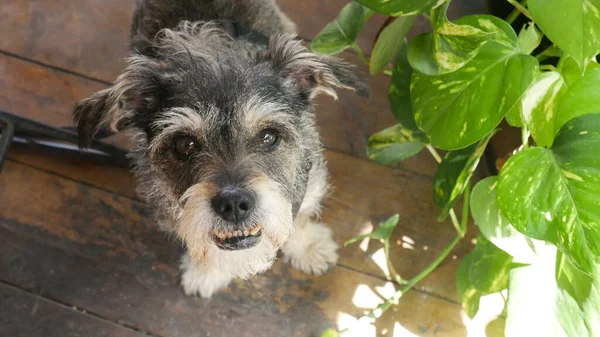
<point x="268" y="138"/>
<point x="184" y="147"/>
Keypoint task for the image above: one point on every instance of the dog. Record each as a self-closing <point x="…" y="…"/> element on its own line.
<point x="225" y="145"/>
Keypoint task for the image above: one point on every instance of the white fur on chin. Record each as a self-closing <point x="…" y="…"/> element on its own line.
<point x="206" y="268"/>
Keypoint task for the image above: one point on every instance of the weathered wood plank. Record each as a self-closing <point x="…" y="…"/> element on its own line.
<point x="126" y="226"/>
<point x="90" y="37"/>
<point x="104" y="176"/>
<point x="23" y="314"/>
<point x="282" y="302"/>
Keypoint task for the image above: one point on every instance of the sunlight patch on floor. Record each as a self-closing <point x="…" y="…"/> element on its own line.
<point x="365" y="298"/>
<point x="356" y="328"/>
<point x="379" y="258"/>
<point x="400" y="331"/>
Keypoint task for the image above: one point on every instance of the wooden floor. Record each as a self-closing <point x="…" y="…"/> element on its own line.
<point x="79" y="255"/>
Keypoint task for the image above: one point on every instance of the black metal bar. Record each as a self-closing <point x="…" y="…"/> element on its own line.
<point x="8" y="129"/>
<point x="21" y="131"/>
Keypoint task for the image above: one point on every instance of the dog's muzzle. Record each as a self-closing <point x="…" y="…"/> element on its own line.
<point x="235" y="205"/>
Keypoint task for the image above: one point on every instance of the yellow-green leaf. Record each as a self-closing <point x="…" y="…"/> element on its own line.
<point x="341" y="33"/>
<point x="446" y="49"/>
<point x="394" y="144"/>
<point x="388" y="43"/>
<point x="454" y="173"/>
<point x="540" y="106"/>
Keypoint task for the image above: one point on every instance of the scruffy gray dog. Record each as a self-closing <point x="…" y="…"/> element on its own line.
<point x="226" y="146"/>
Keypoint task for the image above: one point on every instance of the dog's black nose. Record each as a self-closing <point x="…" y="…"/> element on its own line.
<point x="233" y="204"/>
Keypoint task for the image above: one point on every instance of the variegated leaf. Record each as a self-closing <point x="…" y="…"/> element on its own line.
<point x="570" y="69"/>
<point x="400" y="90"/>
<point x="573" y="25"/>
<point x="388" y="43"/>
<point x="514" y="117"/>
<point x="453" y="174"/>
<point x="540" y="105"/>
<point x="459" y="108"/>
<point x="582" y="97"/>
<point x="341" y="33"/>
<point x="448" y="47"/>
<point x="401" y="8"/>
<point x="553" y="194"/>
<point x="495" y="227"/>
<point x="482" y="272"/>
<point x="394" y="144"/>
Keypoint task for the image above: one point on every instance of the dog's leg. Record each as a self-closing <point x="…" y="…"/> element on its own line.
<point x="199" y="280"/>
<point x="311" y="248"/>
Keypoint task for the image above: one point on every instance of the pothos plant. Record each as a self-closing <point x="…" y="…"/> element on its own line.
<point x="539" y="218"/>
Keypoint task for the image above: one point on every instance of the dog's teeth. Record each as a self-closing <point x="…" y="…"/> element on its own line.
<point x="228" y="235"/>
<point x="246" y="233"/>
<point x="255" y="229"/>
<point x="237" y="233"/>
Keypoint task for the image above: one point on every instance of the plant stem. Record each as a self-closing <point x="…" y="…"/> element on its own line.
<point x="388" y="72"/>
<point x="455" y="222"/>
<point x="465" y="212"/>
<point x="434" y="153"/>
<point x="551" y="51"/>
<point x="520" y="7"/>
<point x="513" y="16"/>
<point x="452" y="214"/>
<point x="377" y="312"/>
<point x="360" y="52"/>
<point x="525" y="137"/>
<point x="395" y="276"/>
<point x="548" y="67"/>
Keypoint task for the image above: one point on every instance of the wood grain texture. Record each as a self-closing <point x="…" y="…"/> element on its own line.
<point x="98" y="251"/>
<point x="28" y="315"/>
<point x="351" y="210"/>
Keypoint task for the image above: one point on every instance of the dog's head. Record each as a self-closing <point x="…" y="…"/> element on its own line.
<point x="227" y="131"/>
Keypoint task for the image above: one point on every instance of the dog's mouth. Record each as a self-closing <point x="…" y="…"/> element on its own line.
<point x="237" y="240"/>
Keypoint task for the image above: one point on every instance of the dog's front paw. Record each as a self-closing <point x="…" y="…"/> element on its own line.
<point x="311" y="249"/>
<point x="197" y="281"/>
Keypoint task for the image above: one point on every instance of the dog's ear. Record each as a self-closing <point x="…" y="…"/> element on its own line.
<point x="309" y="74"/>
<point x="134" y="91"/>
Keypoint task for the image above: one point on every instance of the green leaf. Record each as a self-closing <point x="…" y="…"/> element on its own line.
<point x="394" y="144"/>
<point x="454" y="173"/>
<point x="459" y="108"/>
<point x="383" y="232"/>
<point x="514" y="117"/>
<point x="553" y="194"/>
<point x="502" y="32"/>
<point x="482" y="272"/>
<point x="540" y="106"/>
<point x="529" y="38"/>
<point x="330" y="333"/>
<point x="573" y="25"/>
<point x="495" y="227"/>
<point x="400" y="90"/>
<point x="402" y="7"/>
<point x="565" y="305"/>
<point x="571" y="71"/>
<point x="388" y="43"/>
<point x="448" y="47"/>
<point x="341" y="33"/>
<point x="581" y="98"/>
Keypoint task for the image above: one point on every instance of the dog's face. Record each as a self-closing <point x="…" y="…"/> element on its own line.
<point x="227" y="132"/>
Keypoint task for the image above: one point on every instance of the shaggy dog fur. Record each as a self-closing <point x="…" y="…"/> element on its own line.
<point x="225" y="144"/>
